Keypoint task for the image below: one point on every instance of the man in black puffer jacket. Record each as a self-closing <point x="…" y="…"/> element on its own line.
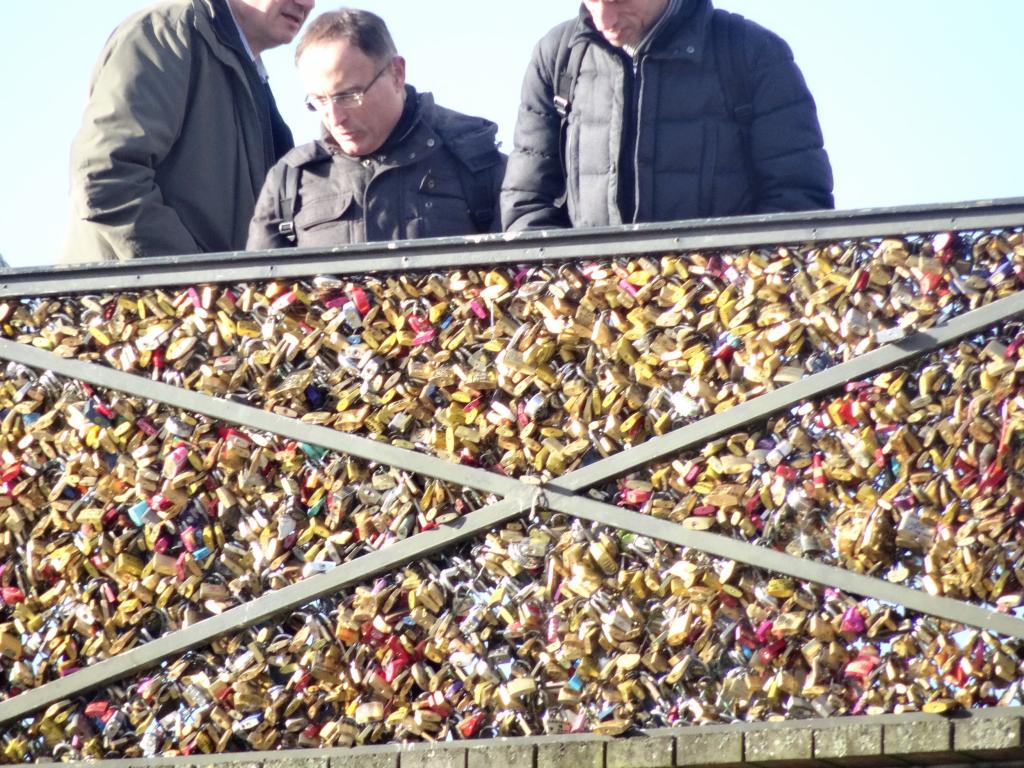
<point x="391" y="164"/>
<point x="654" y="129"/>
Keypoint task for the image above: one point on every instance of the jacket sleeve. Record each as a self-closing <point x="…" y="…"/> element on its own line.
<point x="534" y="183"/>
<point x="791" y="166"/>
<point x="263" y="229"/>
<point x="135" y="112"/>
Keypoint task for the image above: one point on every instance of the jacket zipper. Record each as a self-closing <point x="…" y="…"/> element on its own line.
<point x="638" y="100"/>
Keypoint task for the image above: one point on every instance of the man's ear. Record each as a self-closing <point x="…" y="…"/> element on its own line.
<point x="398" y="70"/>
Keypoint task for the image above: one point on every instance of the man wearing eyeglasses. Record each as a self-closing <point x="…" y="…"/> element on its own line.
<point x="180" y="130"/>
<point x="391" y="163"/>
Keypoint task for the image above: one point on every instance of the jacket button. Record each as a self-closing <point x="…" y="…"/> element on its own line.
<point x="412" y="155"/>
<point x="428" y="204"/>
<point x="431" y="142"/>
<point x="431" y="184"/>
<point x="690" y="49"/>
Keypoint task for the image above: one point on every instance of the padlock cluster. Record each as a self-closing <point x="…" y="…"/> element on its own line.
<point x="122" y="520"/>
<point x="545" y="626"/>
<point x="913" y="475"/>
<point x="528" y="370"/>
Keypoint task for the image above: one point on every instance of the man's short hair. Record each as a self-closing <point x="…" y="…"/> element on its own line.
<point x="363" y="29"/>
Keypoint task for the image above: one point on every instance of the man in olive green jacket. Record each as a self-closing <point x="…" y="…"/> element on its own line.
<point x="179" y="131"/>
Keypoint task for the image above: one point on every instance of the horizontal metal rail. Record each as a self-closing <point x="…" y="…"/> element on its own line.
<point x="752" y="411"/>
<point x="521" y="248"/>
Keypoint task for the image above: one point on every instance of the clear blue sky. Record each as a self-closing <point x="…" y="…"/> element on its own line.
<point x="920" y="100"/>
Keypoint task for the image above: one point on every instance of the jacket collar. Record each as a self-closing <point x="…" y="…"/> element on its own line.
<point x="411" y="111"/>
<point x="683" y="36"/>
<point x="417" y="140"/>
<point x="214" y="22"/>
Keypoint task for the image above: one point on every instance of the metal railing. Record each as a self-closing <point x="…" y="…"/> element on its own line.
<point x="565" y="494"/>
<point x="482" y="250"/>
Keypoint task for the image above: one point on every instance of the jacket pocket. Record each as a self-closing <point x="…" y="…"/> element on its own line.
<point x="708" y="161"/>
<point x="326" y="221"/>
<point x="442" y="209"/>
<point x="438" y="184"/>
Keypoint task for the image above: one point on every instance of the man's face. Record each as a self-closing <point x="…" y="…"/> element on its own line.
<point x="624" y="22"/>
<point x="270" y="23"/>
<point x="336" y="68"/>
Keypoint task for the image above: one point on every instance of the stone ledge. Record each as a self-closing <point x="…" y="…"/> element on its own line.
<point x="361" y="758"/>
<point x="302" y="762"/>
<point x="501" y="754"/>
<point x="852" y="744"/>
<point x="722" y="749"/>
<point x="641" y="752"/>
<point x="431" y="756"/>
<point x="928" y="742"/>
<point x="990" y="737"/>
<point x="789" y="746"/>
<point x="577" y="754"/>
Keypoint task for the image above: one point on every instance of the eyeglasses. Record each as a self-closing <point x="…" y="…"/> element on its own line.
<point x="348" y="99"/>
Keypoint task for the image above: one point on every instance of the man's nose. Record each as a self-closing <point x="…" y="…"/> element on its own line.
<point x="605" y="16"/>
<point x="307" y="5"/>
<point x="335" y="114"/>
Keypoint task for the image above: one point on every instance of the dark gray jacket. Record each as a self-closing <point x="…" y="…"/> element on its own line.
<point x="419" y="187"/>
<point x="177" y="137"/>
<point x="657" y="143"/>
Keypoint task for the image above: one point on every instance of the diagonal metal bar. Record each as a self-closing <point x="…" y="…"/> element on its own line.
<point x="741" y="415"/>
<point x="258" y="419"/>
<point x="780" y="562"/>
<point x="265" y="607"/>
<point x="523" y="248"/>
